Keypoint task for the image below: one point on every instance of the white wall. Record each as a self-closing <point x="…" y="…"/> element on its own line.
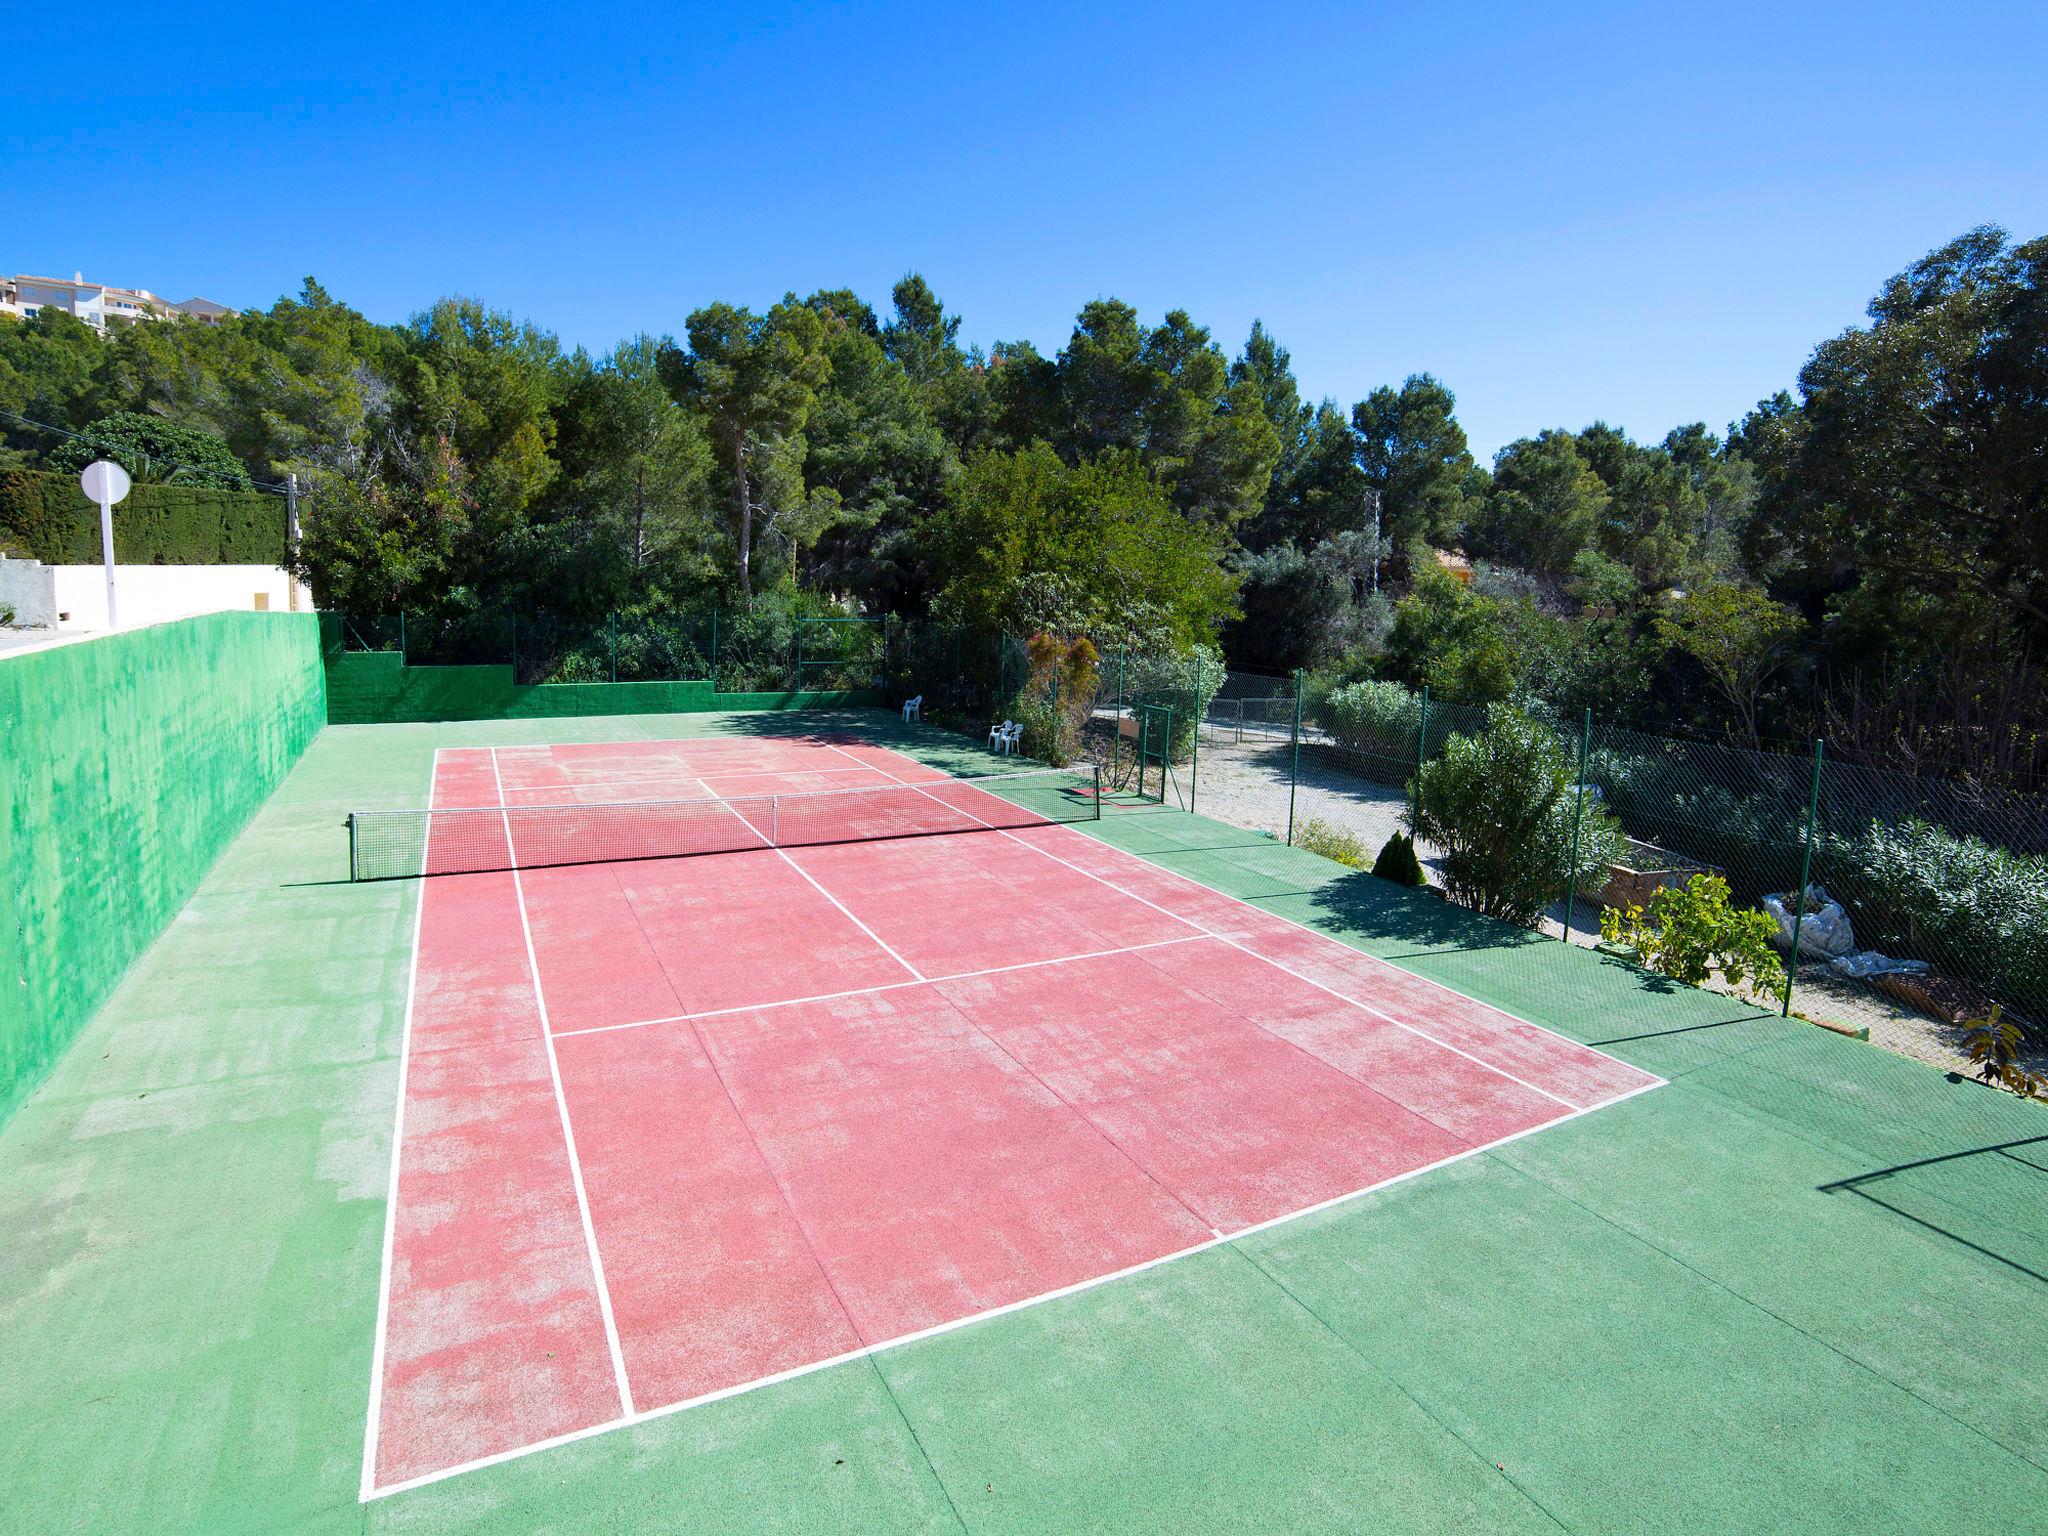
<point x="149" y="594"/>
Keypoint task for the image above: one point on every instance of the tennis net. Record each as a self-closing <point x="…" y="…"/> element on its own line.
<point x="393" y="845"/>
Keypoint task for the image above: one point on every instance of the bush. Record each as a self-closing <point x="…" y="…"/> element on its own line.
<point x="1318" y="836"/>
<point x="1397" y="862"/>
<point x="1690" y="932"/>
<point x="1501" y="806"/>
<point x="1967" y="907"/>
<point x="48" y="516"/>
<point x="1185" y="683"/>
<point x="1376" y="717"/>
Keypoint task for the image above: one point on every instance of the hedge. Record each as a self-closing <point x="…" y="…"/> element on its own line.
<point x="47" y="517"/>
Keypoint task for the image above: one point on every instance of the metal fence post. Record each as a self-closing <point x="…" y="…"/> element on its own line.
<point x="1294" y="772"/>
<point x="615" y="644"/>
<point x="714" y="650"/>
<point x="512" y="624"/>
<point x="1421" y="751"/>
<point x="1116" y="739"/>
<point x="1194" y="763"/>
<point x="1805" y="875"/>
<point x="1571" y="870"/>
<point x="401" y="637"/>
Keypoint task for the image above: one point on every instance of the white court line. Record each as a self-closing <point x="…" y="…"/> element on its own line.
<point x="887" y="986"/>
<point x="604" y="1295"/>
<point x="376" y="1414"/>
<point x="865" y="1351"/>
<point x="1365" y="1007"/>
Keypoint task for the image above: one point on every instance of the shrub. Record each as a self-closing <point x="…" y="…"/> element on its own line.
<point x="1185" y="682"/>
<point x="1501" y="806"/>
<point x="1967" y="907"/>
<point x="1318" y="836"/>
<point x="1993" y="1043"/>
<point x="1377" y="717"/>
<point x="1397" y="862"/>
<point x="1691" y="931"/>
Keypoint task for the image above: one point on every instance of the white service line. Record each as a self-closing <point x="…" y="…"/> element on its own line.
<point x="887" y="986"/>
<point x="376" y="1413"/>
<point x="1222" y="1239"/>
<point x="604" y="1295"/>
<point x="1378" y="1013"/>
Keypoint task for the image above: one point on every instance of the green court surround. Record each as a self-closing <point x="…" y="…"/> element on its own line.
<point x="1792" y="1291"/>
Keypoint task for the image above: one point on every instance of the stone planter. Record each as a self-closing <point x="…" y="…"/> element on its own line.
<point x="1648" y="870"/>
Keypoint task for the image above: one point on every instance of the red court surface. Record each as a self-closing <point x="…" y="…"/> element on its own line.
<point x="677" y="1127"/>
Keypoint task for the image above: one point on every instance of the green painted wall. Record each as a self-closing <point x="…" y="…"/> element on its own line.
<point x="127" y="764"/>
<point x="378" y="688"/>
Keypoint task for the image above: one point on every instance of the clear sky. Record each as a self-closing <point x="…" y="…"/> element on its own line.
<point x="1644" y="214"/>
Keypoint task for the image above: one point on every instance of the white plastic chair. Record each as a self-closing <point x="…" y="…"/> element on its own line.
<point x="913" y="709"/>
<point x="1002" y="740"/>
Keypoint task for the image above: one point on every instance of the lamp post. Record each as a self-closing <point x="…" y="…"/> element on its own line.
<point x="106" y="482"/>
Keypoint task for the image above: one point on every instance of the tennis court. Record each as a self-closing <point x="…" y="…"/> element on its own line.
<point x="729" y="1058"/>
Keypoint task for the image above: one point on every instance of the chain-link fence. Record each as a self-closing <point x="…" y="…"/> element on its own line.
<point x="740" y="652"/>
<point x="1915" y="904"/>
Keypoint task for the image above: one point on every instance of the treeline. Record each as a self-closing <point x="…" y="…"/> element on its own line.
<point x="1868" y="557"/>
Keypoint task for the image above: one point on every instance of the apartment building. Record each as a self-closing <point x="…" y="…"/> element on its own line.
<point x="99" y="305"/>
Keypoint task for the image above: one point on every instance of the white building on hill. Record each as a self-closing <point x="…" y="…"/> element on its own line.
<point x="99" y="305"/>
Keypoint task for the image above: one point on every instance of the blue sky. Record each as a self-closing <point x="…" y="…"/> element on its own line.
<point x="1648" y="215"/>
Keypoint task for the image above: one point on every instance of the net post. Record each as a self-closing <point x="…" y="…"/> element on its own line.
<point x="1571" y="871"/>
<point x="352" y="847"/>
<point x="1095" y="771"/>
<point x="1421" y="752"/>
<point x="775" y="821"/>
<point x="1294" y="770"/>
<point x="1805" y="875"/>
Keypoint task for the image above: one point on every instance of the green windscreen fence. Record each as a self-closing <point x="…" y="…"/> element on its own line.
<point x="127" y="765"/>
<point x="399" y="844"/>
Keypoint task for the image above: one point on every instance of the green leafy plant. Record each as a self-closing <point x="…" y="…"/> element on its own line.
<point x="1318" y="836"/>
<point x="1689" y="932"/>
<point x="1973" y="909"/>
<point x="1397" y="862"/>
<point x="1373" y="716"/>
<point x="1993" y="1043"/>
<point x="1502" y="805"/>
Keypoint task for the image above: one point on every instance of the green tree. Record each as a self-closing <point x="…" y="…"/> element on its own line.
<point x="1740" y="638"/>
<point x="1546" y="504"/>
<point x="153" y="449"/>
<point x="1414" y="454"/>
<point x="1450" y="638"/>
<point x="874" y="447"/>
<point x="755" y="378"/>
<point x="1030" y="542"/>
<point x="628" y="518"/>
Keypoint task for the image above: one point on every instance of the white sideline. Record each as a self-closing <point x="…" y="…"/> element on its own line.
<point x="376" y="1413"/>
<point x="604" y="1295"/>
